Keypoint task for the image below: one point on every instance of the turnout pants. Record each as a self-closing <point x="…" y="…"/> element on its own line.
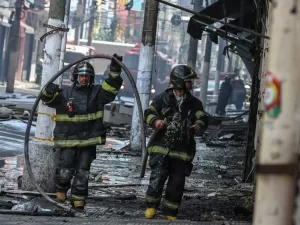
<point x="162" y="168"/>
<point x="74" y="162"/>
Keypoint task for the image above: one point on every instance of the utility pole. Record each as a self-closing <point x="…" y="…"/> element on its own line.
<point x="114" y="22"/>
<point x="220" y="62"/>
<point x="79" y="14"/>
<point x="145" y="69"/>
<point x="92" y="21"/>
<point x="163" y="25"/>
<point x="65" y="37"/>
<point x="277" y="167"/>
<point x="193" y="45"/>
<point x="13" y="48"/>
<point x="205" y="71"/>
<point x="2" y="43"/>
<point x="84" y="13"/>
<point x="41" y="151"/>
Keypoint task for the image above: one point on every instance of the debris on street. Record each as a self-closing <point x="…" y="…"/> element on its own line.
<point x="213" y="191"/>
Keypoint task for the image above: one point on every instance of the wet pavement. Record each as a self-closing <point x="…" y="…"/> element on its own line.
<point x="213" y="192"/>
<point x="12" y="137"/>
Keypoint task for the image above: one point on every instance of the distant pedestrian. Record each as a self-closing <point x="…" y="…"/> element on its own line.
<point x="224" y="94"/>
<point x="239" y="93"/>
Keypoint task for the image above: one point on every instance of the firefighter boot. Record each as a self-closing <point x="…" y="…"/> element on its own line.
<point x="150" y="213"/>
<point x="170" y="217"/>
<point x="78" y="204"/>
<point x="61" y="196"/>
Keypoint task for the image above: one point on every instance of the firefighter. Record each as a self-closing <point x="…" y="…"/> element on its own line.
<point x="177" y="115"/>
<point x="224" y="95"/>
<point x="79" y="126"/>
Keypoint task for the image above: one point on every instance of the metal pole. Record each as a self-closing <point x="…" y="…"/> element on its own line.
<point x="2" y="42"/>
<point x="78" y="22"/>
<point x="205" y="71"/>
<point x="84" y="14"/>
<point x="145" y="69"/>
<point x="64" y="40"/>
<point x="91" y="24"/>
<point x="193" y="45"/>
<point x="220" y="62"/>
<point x="115" y="22"/>
<point x="14" y="48"/>
<point x="29" y="61"/>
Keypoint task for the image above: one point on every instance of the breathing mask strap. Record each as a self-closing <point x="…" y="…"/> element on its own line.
<point x="179" y="99"/>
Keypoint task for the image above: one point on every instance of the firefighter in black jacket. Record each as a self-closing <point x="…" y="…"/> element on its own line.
<point x="178" y="115"/>
<point x="79" y="126"/>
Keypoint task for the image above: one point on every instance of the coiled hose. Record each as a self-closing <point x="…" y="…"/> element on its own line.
<point x="35" y="105"/>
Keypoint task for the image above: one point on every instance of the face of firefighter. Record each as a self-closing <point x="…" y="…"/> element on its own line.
<point x="83" y="80"/>
<point x="189" y="85"/>
<point x="179" y="92"/>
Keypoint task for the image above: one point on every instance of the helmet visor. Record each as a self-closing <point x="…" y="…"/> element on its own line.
<point x="86" y="73"/>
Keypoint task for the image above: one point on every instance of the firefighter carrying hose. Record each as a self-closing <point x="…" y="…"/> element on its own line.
<point x="79" y="126"/>
<point x="178" y="115"/>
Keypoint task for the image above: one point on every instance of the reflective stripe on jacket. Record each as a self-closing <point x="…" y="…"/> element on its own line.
<point x="84" y="127"/>
<point x="164" y="106"/>
<point x="171" y="153"/>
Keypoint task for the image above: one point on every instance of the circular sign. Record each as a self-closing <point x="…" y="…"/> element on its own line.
<point x="176" y="20"/>
<point x="272" y="95"/>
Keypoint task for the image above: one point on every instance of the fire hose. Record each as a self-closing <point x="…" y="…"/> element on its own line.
<point x="35" y="105"/>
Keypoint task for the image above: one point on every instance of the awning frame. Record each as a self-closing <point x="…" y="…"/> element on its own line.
<point x="212" y="20"/>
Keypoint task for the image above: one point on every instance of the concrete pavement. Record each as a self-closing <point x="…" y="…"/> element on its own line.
<point x="22" y="88"/>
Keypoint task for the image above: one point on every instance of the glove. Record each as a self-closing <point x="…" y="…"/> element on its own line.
<point x="52" y="88"/>
<point x="114" y="66"/>
<point x="196" y="127"/>
<point x="159" y="124"/>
